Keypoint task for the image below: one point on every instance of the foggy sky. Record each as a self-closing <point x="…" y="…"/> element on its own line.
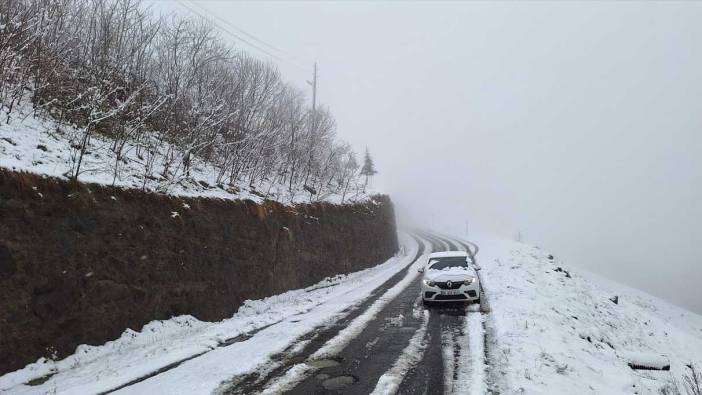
<point x="576" y="124"/>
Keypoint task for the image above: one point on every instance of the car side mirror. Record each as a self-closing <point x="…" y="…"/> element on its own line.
<point x="421" y="270"/>
<point x="477" y="267"/>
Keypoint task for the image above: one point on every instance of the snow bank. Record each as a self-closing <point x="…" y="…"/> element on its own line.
<point x="557" y="331"/>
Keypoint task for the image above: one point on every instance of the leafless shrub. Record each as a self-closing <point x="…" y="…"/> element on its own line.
<point x="691" y="383"/>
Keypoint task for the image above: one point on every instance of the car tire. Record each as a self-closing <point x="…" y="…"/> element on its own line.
<point x="426" y="303"/>
<point x="477" y="301"/>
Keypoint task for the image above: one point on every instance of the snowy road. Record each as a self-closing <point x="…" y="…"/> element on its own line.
<point x="389" y="344"/>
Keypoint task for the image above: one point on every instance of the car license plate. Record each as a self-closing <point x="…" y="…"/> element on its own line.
<point x="450" y="292"/>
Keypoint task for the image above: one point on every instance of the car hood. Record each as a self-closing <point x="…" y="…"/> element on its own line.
<point x="453" y="274"/>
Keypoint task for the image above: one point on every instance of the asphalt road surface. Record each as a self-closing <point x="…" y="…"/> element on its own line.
<point x="410" y="348"/>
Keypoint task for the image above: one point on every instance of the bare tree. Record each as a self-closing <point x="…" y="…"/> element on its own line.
<point x="171" y="90"/>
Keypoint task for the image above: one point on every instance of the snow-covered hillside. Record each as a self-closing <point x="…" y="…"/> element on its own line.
<point x="38" y="144"/>
<point x="549" y="329"/>
<point x="558" y="330"/>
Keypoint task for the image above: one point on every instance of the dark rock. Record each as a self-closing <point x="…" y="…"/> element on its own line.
<point x="42" y="147"/>
<point x="550" y="257"/>
<point x="615" y="299"/>
<point x="561" y="270"/>
<point x="310" y="189"/>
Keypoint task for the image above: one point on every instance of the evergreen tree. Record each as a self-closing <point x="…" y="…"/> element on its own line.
<point x="368" y="168"/>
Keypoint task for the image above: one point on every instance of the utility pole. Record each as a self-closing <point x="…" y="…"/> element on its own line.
<point x="313" y="124"/>
<point x="313" y="83"/>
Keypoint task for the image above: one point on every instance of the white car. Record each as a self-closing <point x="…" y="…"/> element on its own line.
<point x="449" y="277"/>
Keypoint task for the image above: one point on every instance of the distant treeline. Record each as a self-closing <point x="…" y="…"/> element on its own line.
<point x="172" y="88"/>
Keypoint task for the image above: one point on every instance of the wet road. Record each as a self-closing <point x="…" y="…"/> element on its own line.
<point x="404" y="348"/>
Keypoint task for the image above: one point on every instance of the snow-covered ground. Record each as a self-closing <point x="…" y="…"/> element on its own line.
<point x="558" y="332"/>
<point x="281" y="319"/>
<point x="38" y="144"/>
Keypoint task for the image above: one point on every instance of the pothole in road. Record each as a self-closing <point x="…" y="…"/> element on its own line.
<point x="338" y="382"/>
<point x="322" y="363"/>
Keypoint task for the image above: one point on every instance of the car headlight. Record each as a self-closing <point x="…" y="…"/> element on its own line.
<point x="469" y="281"/>
<point x="429" y="283"/>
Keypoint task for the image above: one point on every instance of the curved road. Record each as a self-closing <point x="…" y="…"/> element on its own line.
<point x="402" y="348"/>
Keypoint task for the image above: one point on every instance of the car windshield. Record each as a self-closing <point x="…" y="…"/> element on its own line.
<point x="448" y="262"/>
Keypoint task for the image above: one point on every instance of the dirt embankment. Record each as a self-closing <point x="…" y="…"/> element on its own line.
<point x="81" y="263"/>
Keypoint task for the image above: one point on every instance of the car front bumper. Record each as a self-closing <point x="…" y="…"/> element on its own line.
<point x="465" y="293"/>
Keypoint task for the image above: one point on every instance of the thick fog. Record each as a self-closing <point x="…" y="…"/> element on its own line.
<point x="575" y="125"/>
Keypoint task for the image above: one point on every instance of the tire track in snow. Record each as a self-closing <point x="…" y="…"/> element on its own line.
<point x="436" y="370"/>
<point x="485" y="363"/>
<point x="463" y="342"/>
<point x="475" y="331"/>
<point x="390" y="381"/>
<point x="455" y="341"/>
<point x="283" y="371"/>
<point x="438" y="243"/>
<point x="469" y="367"/>
<point x="364" y="350"/>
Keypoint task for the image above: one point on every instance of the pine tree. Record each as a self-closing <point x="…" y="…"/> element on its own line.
<point x="368" y="169"/>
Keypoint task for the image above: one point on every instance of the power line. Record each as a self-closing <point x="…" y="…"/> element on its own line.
<point x="229" y="32"/>
<point x="237" y="28"/>
<point x="239" y="37"/>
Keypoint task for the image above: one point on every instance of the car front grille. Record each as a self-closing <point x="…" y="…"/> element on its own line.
<point x="454" y="284"/>
<point x="451" y="297"/>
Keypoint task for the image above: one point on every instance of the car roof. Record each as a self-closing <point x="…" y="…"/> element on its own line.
<point x="447" y="254"/>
